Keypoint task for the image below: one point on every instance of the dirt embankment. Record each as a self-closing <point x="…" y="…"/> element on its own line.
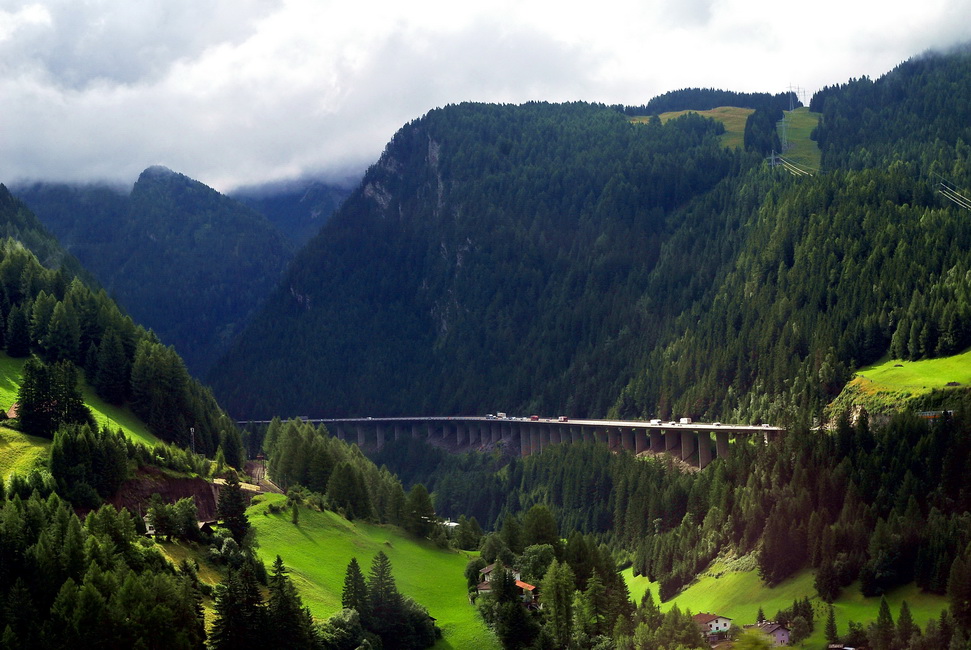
<point x="135" y="493"/>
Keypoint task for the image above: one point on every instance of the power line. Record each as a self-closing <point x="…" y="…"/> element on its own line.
<point x="950" y="192"/>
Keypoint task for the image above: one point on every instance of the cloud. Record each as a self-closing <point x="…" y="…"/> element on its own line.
<point x="247" y="91"/>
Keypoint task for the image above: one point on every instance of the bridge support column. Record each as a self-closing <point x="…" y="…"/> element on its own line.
<point x="535" y="446"/>
<point x="721" y="444"/>
<point x="626" y="438"/>
<point x="495" y="432"/>
<point x="704" y="449"/>
<point x="601" y="436"/>
<point x="379" y="435"/>
<point x="461" y="433"/>
<point x="414" y="430"/>
<point x="431" y="430"/>
<point x="360" y="436"/>
<point x="689" y="442"/>
<point x="576" y="433"/>
<point x="672" y="442"/>
<point x="397" y="431"/>
<point x="611" y="438"/>
<point x="640" y="440"/>
<point x="339" y="431"/>
<point x="525" y="444"/>
<point x="657" y="441"/>
<point x="554" y="434"/>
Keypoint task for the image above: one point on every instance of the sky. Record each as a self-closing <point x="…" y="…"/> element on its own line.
<point x="243" y="92"/>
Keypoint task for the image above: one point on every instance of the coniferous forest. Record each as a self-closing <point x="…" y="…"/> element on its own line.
<point x="536" y="258"/>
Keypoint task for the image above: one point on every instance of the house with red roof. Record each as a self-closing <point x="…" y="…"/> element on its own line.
<point x="713" y="626"/>
<point x="527" y="592"/>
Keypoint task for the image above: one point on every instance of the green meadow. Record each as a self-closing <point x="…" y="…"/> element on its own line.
<point x="730" y="589"/>
<point x="21" y="453"/>
<point x="318" y="549"/>
<point x="888" y="384"/>
<point x="11" y="371"/>
<point x="733" y="118"/>
<point x="803" y="151"/>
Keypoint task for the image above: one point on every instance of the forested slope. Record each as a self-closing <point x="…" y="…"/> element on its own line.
<point x="495" y="255"/>
<point x="831" y="269"/>
<point x="557" y="259"/>
<point x="182" y="259"/>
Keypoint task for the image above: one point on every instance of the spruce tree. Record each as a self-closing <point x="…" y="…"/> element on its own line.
<point x="18" y="334"/>
<point x="831" y="634"/>
<point x="290" y="624"/>
<point x="231" y="508"/>
<point x="240" y="613"/>
<point x="354" y="595"/>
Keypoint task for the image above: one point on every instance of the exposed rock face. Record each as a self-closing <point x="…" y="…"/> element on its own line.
<point x="135" y="493"/>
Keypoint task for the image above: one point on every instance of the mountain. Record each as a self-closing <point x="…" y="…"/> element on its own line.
<point x="494" y="257"/>
<point x="181" y="258"/>
<point x="297" y="209"/>
<point x="64" y="324"/>
<point x="560" y="259"/>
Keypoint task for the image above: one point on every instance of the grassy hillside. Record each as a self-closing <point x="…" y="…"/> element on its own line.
<point x="318" y="549"/>
<point x="890" y="383"/>
<point x="731" y="590"/>
<point x="21" y="452"/>
<point x="803" y="151"/>
<point x="732" y="117"/>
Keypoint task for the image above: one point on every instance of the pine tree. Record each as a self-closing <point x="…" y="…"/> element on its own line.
<point x="111" y="378"/>
<point x="831" y="634"/>
<point x="231" y="508"/>
<point x="556" y="595"/>
<point x="905" y="626"/>
<point x="240" y="613"/>
<point x="290" y="624"/>
<point x="420" y="517"/>
<point x="387" y="615"/>
<point x="18" y="333"/>
<point x="354" y="595"/>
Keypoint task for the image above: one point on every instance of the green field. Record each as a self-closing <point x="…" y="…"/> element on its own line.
<point x="21" y="453"/>
<point x="104" y="413"/>
<point x="318" y="549"/>
<point x="738" y="594"/>
<point x="733" y="118"/>
<point x="803" y="151"/>
<point x="888" y="384"/>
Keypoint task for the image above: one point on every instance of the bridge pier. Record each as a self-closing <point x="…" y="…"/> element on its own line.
<point x="672" y="440"/>
<point x="535" y="446"/>
<point x="657" y="441"/>
<point x="626" y="438"/>
<point x="461" y="434"/>
<point x="704" y="449"/>
<point x="721" y="444"/>
<point x="640" y="441"/>
<point x="576" y="433"/>
<point x="611" y="438"/>
<point x="601" y="436"/>
<point x="525" y="444"/>
<point x="689" y="441"/>
<point x="360" y="436"/>
<point x="379" y="435"/>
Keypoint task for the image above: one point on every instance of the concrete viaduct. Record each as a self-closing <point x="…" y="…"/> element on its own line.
<point x="690" y="442"/>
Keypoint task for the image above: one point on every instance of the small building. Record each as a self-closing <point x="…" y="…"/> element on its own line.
<point x="778" y="632"/>
<point x="527" y="592"/>
<point x="713" y="626"/>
